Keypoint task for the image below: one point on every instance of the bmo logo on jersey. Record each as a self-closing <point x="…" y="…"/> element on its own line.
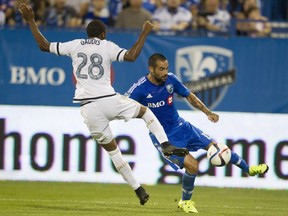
<point x="207" y="71"/>
<point x="44" y="76"/>
<point x="156" y="105"/>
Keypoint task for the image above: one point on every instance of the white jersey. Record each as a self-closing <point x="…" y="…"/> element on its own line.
<point x="167" y="19"/>
<point x="221" y="19"/>
<point x="91" y="60"/>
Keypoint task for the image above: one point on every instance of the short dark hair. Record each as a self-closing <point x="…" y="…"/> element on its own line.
<point x="154" y="58"/>
<point x="95" y="28"/>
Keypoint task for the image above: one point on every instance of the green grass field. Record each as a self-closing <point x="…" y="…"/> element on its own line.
<point x="50" y="198"/>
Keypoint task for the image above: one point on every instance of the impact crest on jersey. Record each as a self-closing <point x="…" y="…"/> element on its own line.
<point x="170" y="88"/>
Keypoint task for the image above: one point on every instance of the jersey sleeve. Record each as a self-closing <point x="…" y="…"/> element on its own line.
<point x="61" y="48"/>
<point x="117" y="53"/>
<point x="179" y="88"/>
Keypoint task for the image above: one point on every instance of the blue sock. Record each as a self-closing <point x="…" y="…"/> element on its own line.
<point x="187" y="185"/>
<point x="238" y="161"/>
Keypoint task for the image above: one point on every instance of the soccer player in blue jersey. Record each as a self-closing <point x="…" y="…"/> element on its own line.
<point x="156" y="91"/>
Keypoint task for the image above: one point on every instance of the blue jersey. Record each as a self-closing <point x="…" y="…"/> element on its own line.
<point x="160" y="99"/>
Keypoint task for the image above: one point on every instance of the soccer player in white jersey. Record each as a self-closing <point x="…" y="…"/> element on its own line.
<point x="91" y="60"/>
<point x="159" y="86"/>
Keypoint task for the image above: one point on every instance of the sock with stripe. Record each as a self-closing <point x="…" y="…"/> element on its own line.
<point x="238" y="161"/>
<point x="187" y="185"/>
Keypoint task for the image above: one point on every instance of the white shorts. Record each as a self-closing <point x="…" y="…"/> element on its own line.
<point x="100" y="112"/>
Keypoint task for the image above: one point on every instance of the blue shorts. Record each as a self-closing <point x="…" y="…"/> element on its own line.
<point x="186" y="136"/>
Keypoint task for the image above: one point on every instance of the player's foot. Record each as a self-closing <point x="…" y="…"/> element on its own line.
<point x="258" y="169"/>
<point x="187" y="206"/>
<point x="142" y="195"/>
<point x="168" y="150"/>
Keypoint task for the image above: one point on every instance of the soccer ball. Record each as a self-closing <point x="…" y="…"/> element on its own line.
<point x="219" y="154"/>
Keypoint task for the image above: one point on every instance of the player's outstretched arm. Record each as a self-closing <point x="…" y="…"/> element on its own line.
<point x="132" y="54"/>
<point x="197" y="103"/>
<point x="28" y="14"/>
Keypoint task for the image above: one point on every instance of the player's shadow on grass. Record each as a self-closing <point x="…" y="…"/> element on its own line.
<point x="93" y="208"/>
<point x="62" y="208"/>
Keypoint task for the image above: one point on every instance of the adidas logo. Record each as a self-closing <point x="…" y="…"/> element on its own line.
<point x="149" y="96"/>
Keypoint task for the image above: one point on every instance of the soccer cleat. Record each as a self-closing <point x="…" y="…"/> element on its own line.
<point x="187" y="206"/>
<point x="258" y="169"/>
<point x="168" y="150"/>
<point x="142" y="195"/>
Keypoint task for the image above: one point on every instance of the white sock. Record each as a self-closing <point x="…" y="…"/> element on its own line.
<point x="123" y="168"/>
<point x="154" y="126"/>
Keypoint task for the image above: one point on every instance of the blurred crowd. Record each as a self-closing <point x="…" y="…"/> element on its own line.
<point x="208" y="16"/>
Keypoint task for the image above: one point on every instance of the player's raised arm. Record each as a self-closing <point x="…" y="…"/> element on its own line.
<point x="28" y="14"/>
<point x="197" y="103"/>
<point x="132" y="54"/>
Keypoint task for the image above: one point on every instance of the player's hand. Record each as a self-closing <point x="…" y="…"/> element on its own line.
<point x="26" y="12"/>
<point x="147" y="26"/>
<point x="213" y="117"/>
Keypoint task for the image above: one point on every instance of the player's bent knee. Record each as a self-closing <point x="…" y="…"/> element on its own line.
<point x="102" y="138"/>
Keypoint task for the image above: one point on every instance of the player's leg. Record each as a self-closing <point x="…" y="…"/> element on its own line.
<point x="188" y="179"/>
<point x="239" y="162"/>
<point x="242" y="164"/>
<point x="98" y="126"/>
<point x="156" y="128"/>
<point x="204" y="141"/>
<point x="125" y="170"/>
<point x="188" y="162"/>
<point x="250" y="170"/>
<point x="121" y="165"/>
